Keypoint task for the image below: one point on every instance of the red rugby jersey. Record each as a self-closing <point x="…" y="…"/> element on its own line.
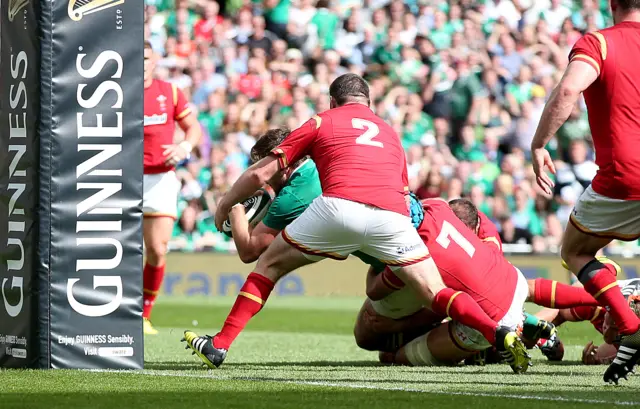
<point x="465" y="262"/>
<point x="164" y="104"/>
<point x="488" y="232"/>
<point x="613" y="103"/>
<point x="359" y="156"/>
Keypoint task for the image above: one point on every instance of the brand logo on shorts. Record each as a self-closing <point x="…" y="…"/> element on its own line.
<point x="14" y="8"/>
<point x="79" y="8"/>
<point x="407" y="249"/>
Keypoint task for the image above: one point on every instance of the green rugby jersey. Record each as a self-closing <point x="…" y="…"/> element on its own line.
<point x="295" y="196"/>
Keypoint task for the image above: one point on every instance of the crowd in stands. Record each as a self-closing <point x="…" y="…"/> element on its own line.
<point x="462" y="82"/>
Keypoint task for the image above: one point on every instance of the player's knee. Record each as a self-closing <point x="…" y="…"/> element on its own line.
<point x="365" y="339"/>
<point x="156" y="253"/>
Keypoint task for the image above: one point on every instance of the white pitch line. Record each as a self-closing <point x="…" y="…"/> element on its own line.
<point x="375" y="387"/>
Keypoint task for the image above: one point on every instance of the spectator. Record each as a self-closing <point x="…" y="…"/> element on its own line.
<point x="463" y="83"/>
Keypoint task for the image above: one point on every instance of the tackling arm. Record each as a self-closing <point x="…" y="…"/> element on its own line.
<point x="251" y="180"/>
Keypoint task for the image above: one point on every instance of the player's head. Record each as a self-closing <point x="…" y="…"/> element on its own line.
<point x="466" y="211"/>
<point x="149" y="62"/>
<point x="620" y="8"/>
<point x="263" y="147"/>
<point x="349" y="89"/>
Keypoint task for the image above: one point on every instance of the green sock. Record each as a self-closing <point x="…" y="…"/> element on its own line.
<point x="530" y="327"/>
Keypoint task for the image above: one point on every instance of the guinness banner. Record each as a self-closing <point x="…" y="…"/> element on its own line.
<point x="19" y="107"/>
<point x="91" y="184"/>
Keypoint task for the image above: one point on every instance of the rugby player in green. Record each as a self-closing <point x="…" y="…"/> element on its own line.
<point x="295" y="190"/>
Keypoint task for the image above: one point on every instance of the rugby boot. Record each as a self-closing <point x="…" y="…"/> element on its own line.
<point x="626" y="359"/>
<point x="512" y="350"/>
<point x="203" y="347"/>
<point x="148" y="328"/>
<point x="552" y="348"/>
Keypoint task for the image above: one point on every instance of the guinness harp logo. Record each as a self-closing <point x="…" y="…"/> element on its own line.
<point x="15" y="6"/>
<point x="79" y="8"/>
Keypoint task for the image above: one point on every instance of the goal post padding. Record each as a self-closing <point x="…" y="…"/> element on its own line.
<point x="19" y="110"/>
<point x="91" y="150"/>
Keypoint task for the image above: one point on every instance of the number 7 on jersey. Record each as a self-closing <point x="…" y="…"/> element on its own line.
<point x="371" y="130"/>
<point x="448" y="233"/>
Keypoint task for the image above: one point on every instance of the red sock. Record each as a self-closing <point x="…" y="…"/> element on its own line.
<point x="151" y="281"/>
<point x="552" y="294"/>
<point x="252" y="296"/>
<point x="600" y="281"/>
<point x="462" y="308"/>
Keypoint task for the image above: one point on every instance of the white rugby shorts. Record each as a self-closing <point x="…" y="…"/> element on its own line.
<point x="470" y="339"/>
<point x="602" y="216"/>
<point x="160" y="197"/>
<point x="334" y="228"/>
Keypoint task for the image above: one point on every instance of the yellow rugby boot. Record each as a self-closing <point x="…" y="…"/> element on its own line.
<point x="148" y="328"/>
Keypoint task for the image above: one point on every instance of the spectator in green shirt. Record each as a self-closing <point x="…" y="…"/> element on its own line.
<point x="440" y="34"/>
<point x="277" y="16"/>
<point x="326" y="23"/>
<point x="467" y="94"/>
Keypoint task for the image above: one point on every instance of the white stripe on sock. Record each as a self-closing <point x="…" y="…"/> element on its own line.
<point x="628" y="350"/>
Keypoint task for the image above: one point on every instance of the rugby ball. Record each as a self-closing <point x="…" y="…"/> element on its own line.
<point x="255" y="208"/>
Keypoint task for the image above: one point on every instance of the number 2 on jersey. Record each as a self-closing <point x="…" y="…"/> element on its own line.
<point x="371" y="131"/>
<point x="448" y="233"/>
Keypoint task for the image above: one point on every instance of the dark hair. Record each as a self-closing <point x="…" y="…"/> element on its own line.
<point x="349" y="88"/>
<point x="466" y="211"/>
<point x="268" y="142"/>
<point x="629" y="4"/>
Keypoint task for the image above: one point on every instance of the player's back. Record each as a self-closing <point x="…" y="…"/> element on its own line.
<point x="613" y="102"/>
<point x="357" y="153"/>
<point x="465" y="262"/>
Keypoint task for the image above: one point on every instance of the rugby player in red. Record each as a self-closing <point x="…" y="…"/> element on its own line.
<point x="364" y="206"/>
<point x="164" y="106"/>
<point x="604" y="66"/>
<point x="467" y="266"/>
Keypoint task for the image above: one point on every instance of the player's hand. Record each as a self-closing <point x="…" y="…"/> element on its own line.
<point x="590" y="354"/>
<point x="542" y="161"/>
<point x="176" y="153"/>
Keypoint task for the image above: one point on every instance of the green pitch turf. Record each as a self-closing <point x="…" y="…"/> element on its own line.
<point x="299" y="353"/>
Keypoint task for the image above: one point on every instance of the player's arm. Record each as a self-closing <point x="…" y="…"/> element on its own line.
<point x="192" y="130"/>
<point x="585" y="63"/>
<point x="188" y="122"/>
<point x="250" y="243"/>
<point x="251" y="180"/>
<point x="293" y="148"/>
<point x="578" y="77"/>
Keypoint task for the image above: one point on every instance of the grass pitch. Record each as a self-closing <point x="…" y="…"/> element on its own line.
<point x="299" y="353"/>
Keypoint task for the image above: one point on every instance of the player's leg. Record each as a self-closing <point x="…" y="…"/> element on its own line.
<point x="314" y="235"/>
<point x="593" y="224"/>
<point x="375" y="332"/>
<point x="438" y="347"/>
<point x="156" y="233"/>
<point x="278" y="260"/>
<point x="552" y="294"/>
<point x="159" y="207"/>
